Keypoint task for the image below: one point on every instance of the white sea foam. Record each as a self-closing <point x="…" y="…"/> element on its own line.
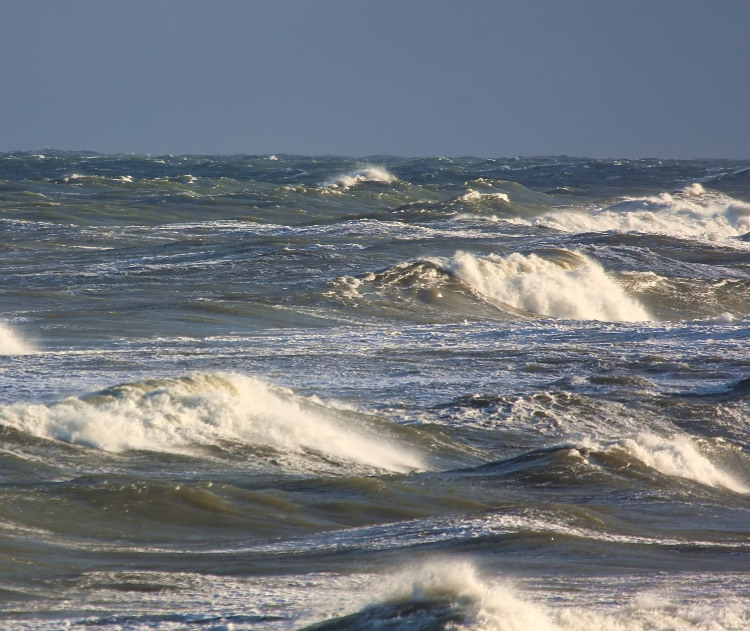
<point x="472" y="195"/>
<point x="678" y="456"/>
<point x="493" y="604"/>
<point x="574" y="288"/>
<point x="365" y="174"/>
<point x="493" y="607"/>
<point x="693" y="212"/>
<point x="11" y="343"/>
<point x="176" y="415"/>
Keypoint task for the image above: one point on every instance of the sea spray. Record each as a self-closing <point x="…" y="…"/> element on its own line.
<point x="483" y="605"/>
<point x="11" y="343"/>
<point x="207" y="410"/>
<point x="579" y="290"/>
<point x="678" y="456"/>
<point x="374" y="174"/>
<point x="690" y="213"/>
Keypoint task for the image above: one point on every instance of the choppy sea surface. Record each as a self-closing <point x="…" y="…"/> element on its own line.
<point x="283" y="392"/>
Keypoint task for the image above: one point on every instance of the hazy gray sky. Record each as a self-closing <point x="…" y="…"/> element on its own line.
<point x="495" y="78"/>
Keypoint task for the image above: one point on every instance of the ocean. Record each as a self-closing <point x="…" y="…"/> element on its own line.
<point x="335" y="394"/>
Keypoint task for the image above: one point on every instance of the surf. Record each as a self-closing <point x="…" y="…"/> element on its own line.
<point x="12" y="343"/>
<point x="693" y="212"/>
<point x="570" y="286"/>
<point x="184" y="415"/>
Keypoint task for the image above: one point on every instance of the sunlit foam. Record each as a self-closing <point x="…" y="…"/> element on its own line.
<point x="491" y="606"/>
<point x="472" y="195"/>
<point x="691" y="213"/>
<point x="450" y="593"/>
<point x="573" y="287"/>
<point x="678" y="456"/>
<point x="11" y="342"/>
<point x="174" y="415"/>
<point x="365" y="174"/>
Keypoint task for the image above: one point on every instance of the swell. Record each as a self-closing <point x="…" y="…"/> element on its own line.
<point x="551" y="283"/>
<point x="692" y="212"/>
<point x="183" y="414"/>
<point x="657" y="461"/>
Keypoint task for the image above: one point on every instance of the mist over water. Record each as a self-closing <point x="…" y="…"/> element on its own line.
<point x="283" y="392"/>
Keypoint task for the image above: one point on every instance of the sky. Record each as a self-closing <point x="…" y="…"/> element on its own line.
<point x="485" y="78"/>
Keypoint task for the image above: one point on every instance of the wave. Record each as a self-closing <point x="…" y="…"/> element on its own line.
<point x="374" y="174"/>
<point x="636" y="458"/>
<point x="565" y="285"/>
<point x="676" y="456"/>
<point x="718" y="300"/>
<point x="11" y="343"/>
<point x="691" y="213"/>
<point x="553" y="283"/>
<point x="442" y="594"/>
<point x="448" y="593"/>
<point x="219" y="411"/>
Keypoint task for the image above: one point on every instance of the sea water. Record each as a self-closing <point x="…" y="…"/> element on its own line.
<point x="284" y="392"/>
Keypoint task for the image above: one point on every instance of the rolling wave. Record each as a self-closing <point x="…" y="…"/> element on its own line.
<point x="557" y="284"/>
<point x="453" y="593"/>
<point x="219" y="411"/>
<point x="691" y="213"/>
<point x="570" y="286"/>
<point x="371" y="174"/>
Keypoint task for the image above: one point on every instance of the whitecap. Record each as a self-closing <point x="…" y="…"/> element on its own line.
<point x="178" y="415"/>
<point x="573" y="287"/>
<point x="693" y="212"/>
<point x="678" y="456"/>
<point x="374" y="174"/>
<point x="472" y="195"/>
<point x="11" y="343"/>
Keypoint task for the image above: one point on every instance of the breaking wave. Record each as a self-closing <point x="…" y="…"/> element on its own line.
<point x="570" y="286"/>
<point x="446" y="593"/>
<point x="676" y="456"/>
<point x="374" y="174"/>
<point x="216" y="410"/>
<point x="11" y="342"/>
<point x="691" y="213"/>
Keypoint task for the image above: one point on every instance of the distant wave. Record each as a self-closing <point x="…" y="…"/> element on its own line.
<point x="365" y="174"/>
<point x="213" y="410"/>
<point x="11" y="343"/>
<point x="639" y="457"/>
<point x="693" y="212"/>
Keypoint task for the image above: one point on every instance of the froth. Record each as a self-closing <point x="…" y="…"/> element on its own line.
<point x="678" y="456"/>
<point x="365" y="174"/>
<point x="482" y="605"/>
<point x="457" y="594"/>
<point x="573" y="287"/>
<point x="206" y="410"/>
<point x="11" y="343"/>
<point x="692" y="212"/>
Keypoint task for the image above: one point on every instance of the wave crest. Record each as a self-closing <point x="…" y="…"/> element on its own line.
<point x="677" y="456"/>
<point x="213" y="410"/>
<point x="11" y="342"/>
<point x="375" y="174"/>
<point x="570" y="286"/>
<point x="693" y="212"/>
